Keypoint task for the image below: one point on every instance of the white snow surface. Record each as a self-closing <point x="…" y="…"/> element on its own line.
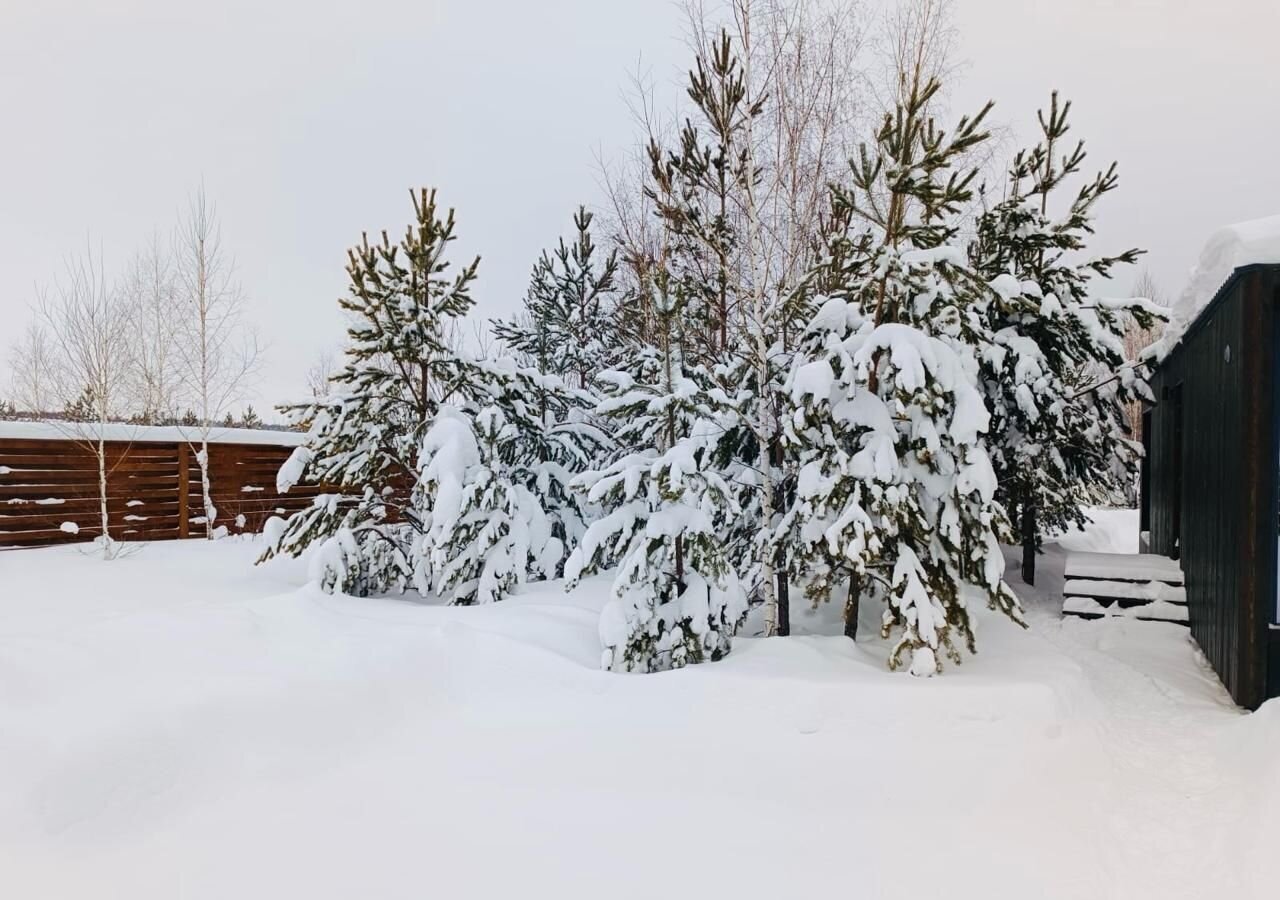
<point x="1229" y="248"/>
<point x="1126" y="590"/>
<point x="1123" y="567"/>
<point x="179" y="723"/>
<point x="119" y="431"/>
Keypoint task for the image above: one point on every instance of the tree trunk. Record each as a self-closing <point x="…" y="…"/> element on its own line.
<point x="851" y="607"/>
<point x="772" y="607"/>
<point x="784" y="600"/>
<point x="1028" y="542"/>
<point x="209" y="511"/>
<point x="102" y="493"/>
<point x="679" y="563"/>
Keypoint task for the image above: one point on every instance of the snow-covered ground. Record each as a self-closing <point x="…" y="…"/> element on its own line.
<point x="179" y="724"/>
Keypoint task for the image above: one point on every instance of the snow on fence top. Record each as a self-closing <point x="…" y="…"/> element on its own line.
<point x="1243" y="244"/>
<point x="118" y="431"/>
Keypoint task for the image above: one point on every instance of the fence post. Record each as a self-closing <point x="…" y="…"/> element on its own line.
<point x="184" y="487"/>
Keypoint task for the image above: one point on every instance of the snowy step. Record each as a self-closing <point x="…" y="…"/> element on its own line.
<point x="1126" y="593"/>
<point x="1140" y="586"/>
<point x="1133" y="567"/>
<point x="1156" y="611"/>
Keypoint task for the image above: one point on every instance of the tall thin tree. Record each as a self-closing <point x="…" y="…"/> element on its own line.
<point x="89" y="362"/>
<point x="217" y="352"/>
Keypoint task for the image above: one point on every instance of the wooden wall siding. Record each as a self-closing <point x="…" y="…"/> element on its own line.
<point x="1224" y="500"/>
<point x="44" y="483"/>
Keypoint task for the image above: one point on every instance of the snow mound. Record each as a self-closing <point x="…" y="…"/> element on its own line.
<point x="1242" y="244"/>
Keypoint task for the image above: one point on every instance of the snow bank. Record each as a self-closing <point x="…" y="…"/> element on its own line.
<point x="1253" y="741"/>
<point x="117" y="431"/>
<point x="180" y="723"/>
<point x="1243" y="244"/>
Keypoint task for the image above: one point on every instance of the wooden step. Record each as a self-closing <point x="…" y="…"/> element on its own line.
<point x="1141" y="586"/>
<point x="1129" y="567"/>
<point x="1126" y="593"/>
<point x="1155" y="611"/>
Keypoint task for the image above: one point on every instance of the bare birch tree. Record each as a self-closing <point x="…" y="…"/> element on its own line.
<point x="31" y="370"/>
<point x="630" y="216"/>
<point x="320" y="374"/>
<point x="916" y="42"/>
<point x="150" y="295"/>
<point x="217" y="353"/>
<point x="1137" y="339"/>
<point x="84" y="337"/>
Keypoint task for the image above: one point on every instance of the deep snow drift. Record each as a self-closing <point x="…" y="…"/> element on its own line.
<point x="178" y="723"/>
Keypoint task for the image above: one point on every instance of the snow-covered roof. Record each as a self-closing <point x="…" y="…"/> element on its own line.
<point x="53" y="431"/>
<point x="1230" y="248"/>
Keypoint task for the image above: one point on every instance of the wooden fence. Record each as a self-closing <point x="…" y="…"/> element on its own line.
<point x="49" y="485"/>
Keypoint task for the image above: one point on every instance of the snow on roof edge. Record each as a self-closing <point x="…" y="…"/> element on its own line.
<point x="1234" y="247"/>
<point x="119" y="431"/>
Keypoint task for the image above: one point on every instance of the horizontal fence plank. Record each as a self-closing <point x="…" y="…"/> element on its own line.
<point x="72" y="479"/>
<point x="88" y="462"/>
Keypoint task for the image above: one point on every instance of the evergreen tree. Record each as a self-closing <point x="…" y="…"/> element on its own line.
<point x="1057" y="443"/>
<point x="366" y="436"/>
<point x="676" y="598"/>
<point x="506" y="469"/>
<point x="82" y="409"/>
<point x="565" y="336"/>
<point x="697" y="192"/>
<point x="895" y="488"/>
<point x="733" y="320"/>
<point x="568" y="328"/>
<point x="674" y="524"/>
<point x="249" y="418"/>
<point x="485" y="531"/>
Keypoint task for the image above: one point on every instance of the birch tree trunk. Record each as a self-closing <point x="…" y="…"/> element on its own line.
<point x="210" y="511"/>
<point x="102" y="492"/>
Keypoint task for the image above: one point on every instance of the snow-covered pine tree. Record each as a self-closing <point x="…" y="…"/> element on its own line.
<point x="546" y="440"/>
<point x="568" y="325"/>
<point x="366" y="435"/>
<point x="705" y="194"/>
<point x="697" y="193"/>
<point x="486" y="531"/>
<point x="1056" y="380"/>
<point x="676" y="598"/>
<point x="565" y="335"/>
<point x="895" y="484"/>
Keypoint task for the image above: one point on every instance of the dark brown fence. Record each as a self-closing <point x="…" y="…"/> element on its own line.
<point x="49" y="489"/>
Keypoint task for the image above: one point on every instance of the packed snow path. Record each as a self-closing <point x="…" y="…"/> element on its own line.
<point x="1156" y="716"/>
<point x="177" y="723"/>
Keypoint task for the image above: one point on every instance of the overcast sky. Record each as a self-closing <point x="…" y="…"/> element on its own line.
<point x="309" y="121"/>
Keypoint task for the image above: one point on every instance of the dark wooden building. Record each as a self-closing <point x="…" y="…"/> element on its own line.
<point x="1210" y="482"/>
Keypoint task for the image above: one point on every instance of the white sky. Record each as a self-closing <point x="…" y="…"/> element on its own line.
<point x="309" y="121"/>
